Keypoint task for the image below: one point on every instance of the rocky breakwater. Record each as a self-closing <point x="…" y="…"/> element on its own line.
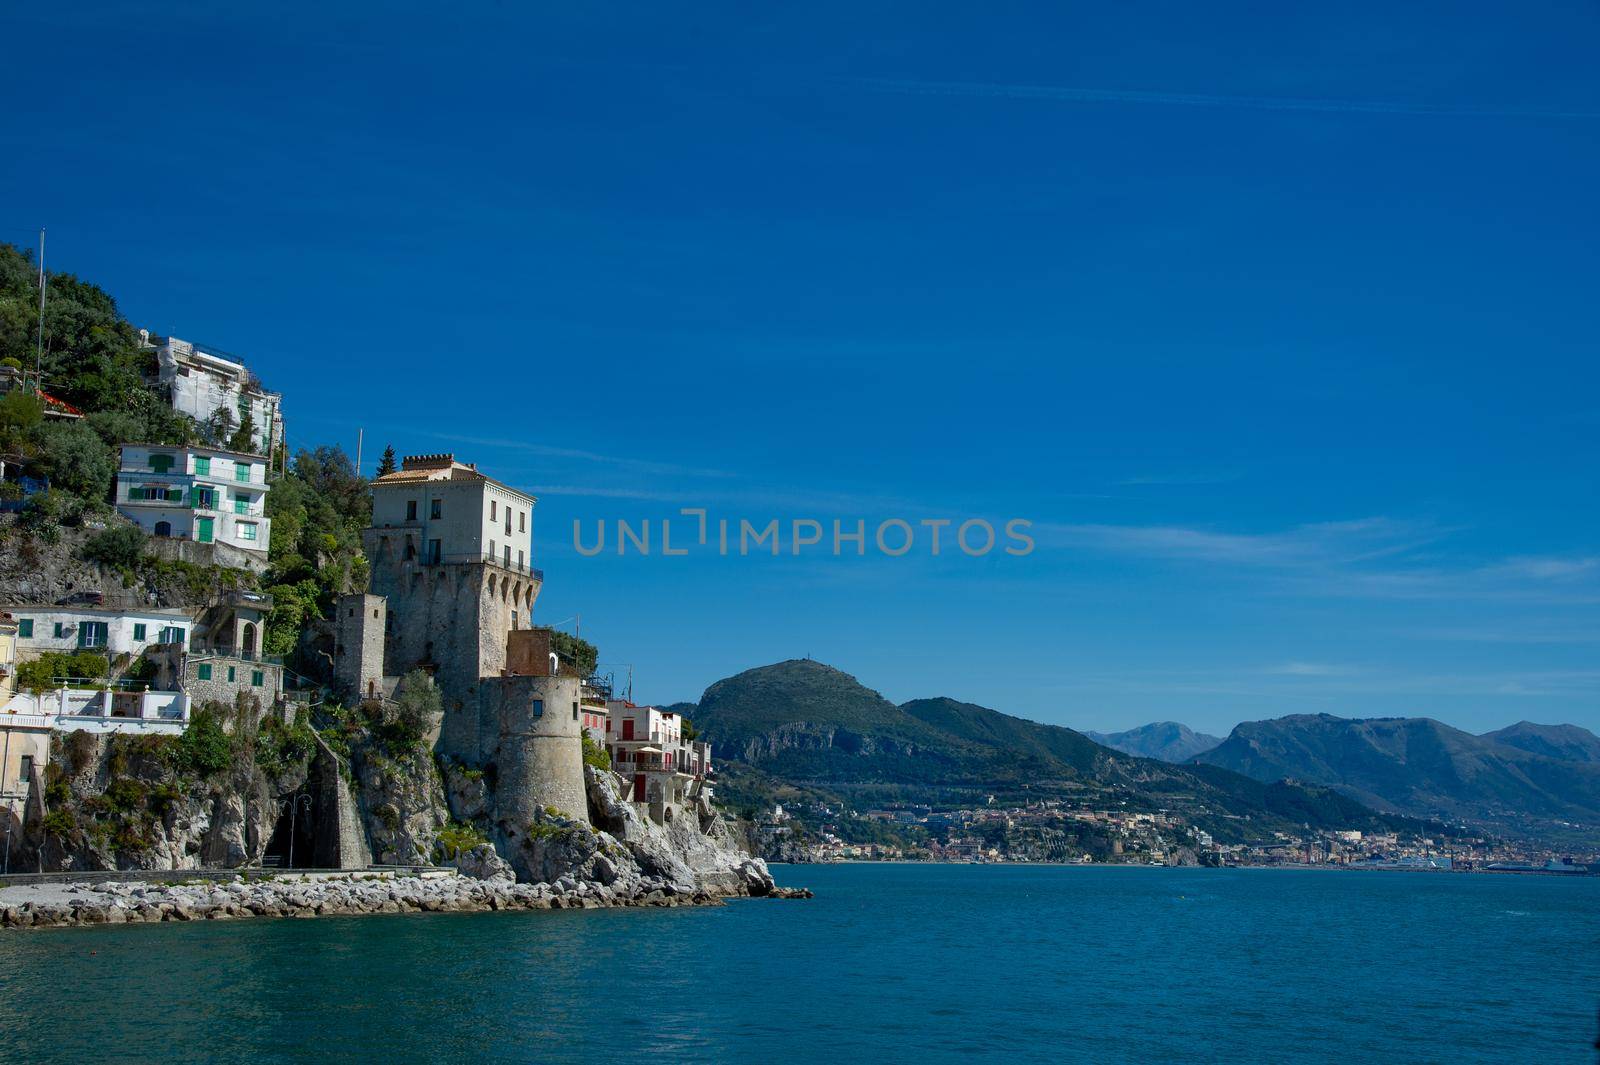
<point x="481" y="882"/>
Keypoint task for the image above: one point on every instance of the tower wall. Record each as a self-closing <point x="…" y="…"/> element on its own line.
<point x="451" y="617"/>
<point x="358" y="659"/>
<point x="529" y="728"/>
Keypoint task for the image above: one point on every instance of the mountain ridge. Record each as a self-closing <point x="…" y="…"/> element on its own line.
<point x="1422" y="768"/>
<point x="1169" y="741"/>
<point x="803" y="727"/>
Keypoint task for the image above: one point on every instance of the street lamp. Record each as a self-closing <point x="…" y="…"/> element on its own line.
<point x="294" y="804"/>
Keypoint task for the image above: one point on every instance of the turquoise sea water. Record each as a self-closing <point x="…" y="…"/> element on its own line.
<point x="889" y="963"/>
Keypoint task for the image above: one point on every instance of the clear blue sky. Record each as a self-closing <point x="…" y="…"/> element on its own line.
<point x="1280" y="323"/>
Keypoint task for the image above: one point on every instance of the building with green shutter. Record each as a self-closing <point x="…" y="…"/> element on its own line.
<point x="200" y="495"/>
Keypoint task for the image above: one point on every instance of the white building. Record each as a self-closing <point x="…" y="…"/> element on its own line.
<point x="213" y="388"/>
<point x="457" y="514"/>
<point x="199" y="494"/>
<point x="648" y="749"/>
<point x="113" y="632"/>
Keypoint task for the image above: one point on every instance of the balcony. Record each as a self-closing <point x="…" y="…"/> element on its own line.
<point x="480" y="558"/>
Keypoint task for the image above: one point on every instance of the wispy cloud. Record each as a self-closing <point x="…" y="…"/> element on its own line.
<point x="1352" y="692"/>
<point x="1321" y="543"/>
<point x="1308" y="669"/>
<point x="1067" y="94"/>
<point x="1181" y="479"/>
<point x="546" y="451"/>
<point x="1532" y="634"/>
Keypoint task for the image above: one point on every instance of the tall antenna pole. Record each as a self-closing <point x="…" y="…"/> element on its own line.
<point x="360" y="436"/>
<point x="38" y="359"/>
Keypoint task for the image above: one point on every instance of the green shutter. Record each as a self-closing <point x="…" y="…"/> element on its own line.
<point x="205" y="671"/>
<point x="232" y="673"/>
<point x="138" y="632"/>
<point x="25" y="628"/>
<point x="202" y="466"/>
<point x="256" y="677"/>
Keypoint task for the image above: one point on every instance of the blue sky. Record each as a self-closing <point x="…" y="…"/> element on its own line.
<point x="1278" y="324"/>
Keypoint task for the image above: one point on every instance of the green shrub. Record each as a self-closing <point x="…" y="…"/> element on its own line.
<point x="458" y="837"/>
<point x="60" y="823"/>
<point x="50" y="669"/>
<point x="204" y="749"/>
<point x="594" y="754"/>
<point x="120" y="547"/>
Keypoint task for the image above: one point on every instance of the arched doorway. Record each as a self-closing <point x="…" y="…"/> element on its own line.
<point x="163" y="528"/>
<point x="247" y="640"/>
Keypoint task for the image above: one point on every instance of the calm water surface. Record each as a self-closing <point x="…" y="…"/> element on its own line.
<point x="929" y="964"/>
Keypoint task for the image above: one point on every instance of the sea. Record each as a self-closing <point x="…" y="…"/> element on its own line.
<point x="889" y="963"/>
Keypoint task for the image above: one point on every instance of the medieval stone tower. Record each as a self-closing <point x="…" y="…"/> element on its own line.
<point x="452" y="592"/>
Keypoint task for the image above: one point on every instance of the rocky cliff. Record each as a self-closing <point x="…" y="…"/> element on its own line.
<point x="237" y="790"/>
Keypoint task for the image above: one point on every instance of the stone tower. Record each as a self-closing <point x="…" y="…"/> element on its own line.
<point x="450" y="550"/>
<point x="449" y="553"/>
<point x="358" y="645"/>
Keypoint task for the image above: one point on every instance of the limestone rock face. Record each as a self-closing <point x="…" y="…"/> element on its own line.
<point x="482" y="863"/>
<point x="404" y="806"/>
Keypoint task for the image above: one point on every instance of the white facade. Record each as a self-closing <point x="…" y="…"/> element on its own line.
<point x="647" y="748"/>
<point x="458" y="513"/>
<point x="115" y="632"/>
<point x="202" y="383"/>
<point x="196" y="493"/>
<point x="90" y="710"/>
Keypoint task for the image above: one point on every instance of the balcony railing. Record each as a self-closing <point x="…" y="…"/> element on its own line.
<point x="477" y="558"/>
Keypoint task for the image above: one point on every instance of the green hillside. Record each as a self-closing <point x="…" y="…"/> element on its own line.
<point x="804" y="730"/>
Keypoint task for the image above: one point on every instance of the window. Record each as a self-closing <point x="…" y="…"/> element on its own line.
<point x="519" y="559"/>
<point x="411" y="510"/>
<point x="491" y="549"/>
<point x="25" y="768"/>
<point x="172" y="634"/>
<point x="241" y="471"/>
<point x="241" y="503"/>
<point x="508" y="556"/>
<point x="508" y="521"/>
<point x="204" y="671"/>
<point x="492" y="509"/>
<point x="522" y="521"/>
<point x="257" y="678"/>
<point x="138" y="631"/>
<point x="25" y="629"/>
<point x="61" y="629"/>
<point x="202" y="466"/>
<point x="203" y="498"/>
<point x="513" y="619"/>
<point x="247" y="530"/>
<point x="232" y="674"/>
<point x="435" y="552"/>
<point x="574" y="711"/>
<point x="436" y="508"/>
<point x="161" y="463"/>
<point x="538" y="708"/>
<point x="174" y="495"/>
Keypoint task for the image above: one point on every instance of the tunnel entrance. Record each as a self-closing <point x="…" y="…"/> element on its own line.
<point x="294" y="839"/>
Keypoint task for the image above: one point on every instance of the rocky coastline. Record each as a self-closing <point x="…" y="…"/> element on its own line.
<point x="348" y="894"/>
<point x="615" y="858"/>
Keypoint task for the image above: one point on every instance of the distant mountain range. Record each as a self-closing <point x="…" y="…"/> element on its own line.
<point x="800" y="729"/>
<point x="1541" y="780"/>
<point x="1165" y="740"/>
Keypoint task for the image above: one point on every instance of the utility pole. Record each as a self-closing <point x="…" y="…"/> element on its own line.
<point x="360" y="435"/>
<point x="38" y="359"/>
